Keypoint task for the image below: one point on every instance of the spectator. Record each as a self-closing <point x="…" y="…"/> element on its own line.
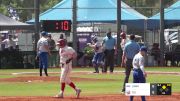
<point x="130" y="50"/>
<point x="109" y="44"/>
<point x="9" y="43"/>
<point x="15" y="39"/>
<point x="9" y="51"/>
<point x="52" y="48"/>
<point x="155" y="51"/>
<point x="42" y="53"/>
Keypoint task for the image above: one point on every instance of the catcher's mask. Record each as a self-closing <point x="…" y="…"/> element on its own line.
<point x="62" y="43"/>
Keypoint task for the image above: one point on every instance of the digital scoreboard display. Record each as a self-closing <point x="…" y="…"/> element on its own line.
<point x="161" y="88"/>
<point x="148" y="89"/>
<point x="56" y="25"/>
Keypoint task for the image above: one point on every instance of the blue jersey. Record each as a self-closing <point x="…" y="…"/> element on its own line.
<point x="109" y="44"/>
<point x="131" y="49"/>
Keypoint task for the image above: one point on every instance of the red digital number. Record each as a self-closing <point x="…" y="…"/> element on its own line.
<point x="64" y="25"/>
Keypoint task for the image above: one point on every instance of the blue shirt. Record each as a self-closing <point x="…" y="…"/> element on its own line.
<point x="109" y="43"/>
<point x="131" y="49"/>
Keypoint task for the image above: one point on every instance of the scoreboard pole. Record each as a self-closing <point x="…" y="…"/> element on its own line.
<point x="119" y="51"/>
<point x="74" y="26"/>
<point x="36" y="26"/>
<point x="162" y="32"/>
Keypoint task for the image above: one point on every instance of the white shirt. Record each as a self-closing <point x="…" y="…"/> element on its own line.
<point x="9" y="43"/>
<point x="138" y="62"/>
<point x="41" y="44"/>
<point x="123" y="42"/>
<point x="66" y="53"/>
<point x="16" y="41"/>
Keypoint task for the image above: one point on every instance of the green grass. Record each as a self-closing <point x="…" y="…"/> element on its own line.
<point x="165" y="69"/>
<point x="112" y="86"/>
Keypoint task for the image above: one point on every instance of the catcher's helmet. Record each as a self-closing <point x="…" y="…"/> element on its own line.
<point x="123" y="35"/>
<point x="62" y="43"/>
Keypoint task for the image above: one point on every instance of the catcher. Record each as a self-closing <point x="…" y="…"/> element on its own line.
<point x="67" y="54"/>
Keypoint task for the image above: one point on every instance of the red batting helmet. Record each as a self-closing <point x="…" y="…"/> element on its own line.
<point x="62" y="43"/>
<point x="123" y="35"/>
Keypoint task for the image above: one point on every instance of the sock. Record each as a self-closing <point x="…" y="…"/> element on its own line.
<point x="63" y="86"/>
<point x="72" y="85"/>
<point x="40" y="71"/>
<point x="45" y="70"/>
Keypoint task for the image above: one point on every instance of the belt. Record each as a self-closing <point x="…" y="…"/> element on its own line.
<point x="136" y="69"/>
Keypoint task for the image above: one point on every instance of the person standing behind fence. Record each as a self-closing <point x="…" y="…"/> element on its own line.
<point x="109" y="44"/>
<point x="9" y="43"/>
<point x="52" y="48"/>
<point x="130" y="50"/>
<point x="42" y="52"/>
<point x="8" y="51"/>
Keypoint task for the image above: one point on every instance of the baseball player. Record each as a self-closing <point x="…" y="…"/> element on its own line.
<point x="139" y="73"/>
<point x="67" y="54"/>
<point x="98" y="56"/>
<point x="42" y="52"/>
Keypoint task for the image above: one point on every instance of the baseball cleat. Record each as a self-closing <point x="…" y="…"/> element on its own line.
<point x="78" y="91"/>
<point x="59" y="95"/>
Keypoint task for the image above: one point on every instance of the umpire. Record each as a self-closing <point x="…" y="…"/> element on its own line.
<point x="109" y="44"/>
<point x="130" y="50"/>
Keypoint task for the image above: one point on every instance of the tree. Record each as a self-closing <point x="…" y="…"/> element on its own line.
<point x="22" y="7"/>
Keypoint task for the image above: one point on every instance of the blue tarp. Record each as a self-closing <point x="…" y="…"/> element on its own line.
<point x="92" y="11"/>
<point x="171" y="17"/>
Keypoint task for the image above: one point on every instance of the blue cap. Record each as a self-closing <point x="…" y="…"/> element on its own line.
<point x="143" y="48"/>
<point x="43" y="33"/>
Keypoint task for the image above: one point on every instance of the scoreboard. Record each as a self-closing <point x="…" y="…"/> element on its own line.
<point x="56" y="25"/>
<point x="161" y="88"/>
<point x="148" y="89"/>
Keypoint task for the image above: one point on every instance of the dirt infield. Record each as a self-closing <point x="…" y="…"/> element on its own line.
<point x="174" y="97"/>
<point x="50" y="78"/>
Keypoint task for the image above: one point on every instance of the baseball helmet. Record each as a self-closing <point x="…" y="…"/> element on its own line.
<point x="143" y="48"/>
<point x="43" y="33"/>
<point x="123" y="35"/>
<point x="62" y="42"/>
